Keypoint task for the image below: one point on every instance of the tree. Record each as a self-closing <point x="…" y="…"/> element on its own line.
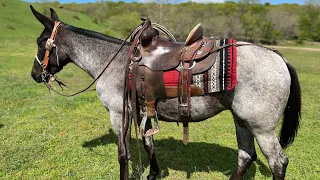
<point x="313" y="2"/>
<point x="125" y="23"/>
<point x="159" y="6"/>
<point x="249" y="1"/>
<point x="309" y="23"/>
<point x="252" y="22"/>
<point x="269" y="34"/>
<point x="285" y="19"/>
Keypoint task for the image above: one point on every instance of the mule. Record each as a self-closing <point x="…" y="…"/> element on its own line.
<point x="267" y="88"/>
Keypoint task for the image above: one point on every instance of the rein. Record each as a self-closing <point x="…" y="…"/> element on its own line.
<point x="134" y="113"/>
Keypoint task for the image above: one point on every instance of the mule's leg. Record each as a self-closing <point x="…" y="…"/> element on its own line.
<point x="149" y="147"/>
<point x="124" y="154"/>
<point x="246" y="150"/>
<point x="128" y="138"/>
<point x="123" y="148"/>
<point x="260" y="98"/>
<point x="123" y="159"/>
<point x="275" y="155"/>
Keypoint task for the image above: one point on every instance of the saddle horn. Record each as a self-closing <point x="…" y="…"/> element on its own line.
<point x="147" y="35"/>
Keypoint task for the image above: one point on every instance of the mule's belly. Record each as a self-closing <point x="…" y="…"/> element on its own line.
<point x="202" y="108"/>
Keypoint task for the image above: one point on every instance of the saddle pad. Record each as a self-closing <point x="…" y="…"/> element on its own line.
<point x="221" y="76"/>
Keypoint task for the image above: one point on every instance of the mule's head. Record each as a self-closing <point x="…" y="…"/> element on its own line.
<point x="44" y="67"/>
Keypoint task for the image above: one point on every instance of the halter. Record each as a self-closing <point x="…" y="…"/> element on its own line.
<point x="49" y="45"/>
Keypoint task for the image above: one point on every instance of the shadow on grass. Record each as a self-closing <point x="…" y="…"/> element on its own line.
<point x="109" y="138"/>
<point x="1" y="125"/>
<point x="191" y="158"/>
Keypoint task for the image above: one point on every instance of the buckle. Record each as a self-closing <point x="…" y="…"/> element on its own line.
<point x="50" y="44"/>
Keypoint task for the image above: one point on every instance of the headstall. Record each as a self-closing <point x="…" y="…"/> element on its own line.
<point x="49" y="45"/>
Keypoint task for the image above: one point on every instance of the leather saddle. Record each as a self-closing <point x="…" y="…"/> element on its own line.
<point x="153" y="55"/>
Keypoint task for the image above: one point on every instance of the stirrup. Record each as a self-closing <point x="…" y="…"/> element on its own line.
<point x="151" y="131"/>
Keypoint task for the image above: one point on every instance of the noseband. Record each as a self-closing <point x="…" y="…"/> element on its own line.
<point x="49" y="45"/>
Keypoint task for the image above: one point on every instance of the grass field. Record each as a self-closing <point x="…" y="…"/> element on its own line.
<point x="46" y="136"/>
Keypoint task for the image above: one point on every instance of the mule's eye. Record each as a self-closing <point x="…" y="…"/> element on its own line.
<point x="41" y="41"/>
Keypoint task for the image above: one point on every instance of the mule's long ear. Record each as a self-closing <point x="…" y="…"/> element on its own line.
<point x="54" y="16"/>
<point x="43" y="19"/>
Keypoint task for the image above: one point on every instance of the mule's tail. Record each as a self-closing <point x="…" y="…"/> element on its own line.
<point x="292" y="112"/>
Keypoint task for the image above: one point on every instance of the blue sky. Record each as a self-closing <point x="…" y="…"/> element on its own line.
<point x="177" y="1"/>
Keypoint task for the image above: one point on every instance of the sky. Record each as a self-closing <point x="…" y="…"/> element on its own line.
<point x="275" y="2"/>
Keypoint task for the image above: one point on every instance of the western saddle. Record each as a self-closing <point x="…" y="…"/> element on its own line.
<point x="151" y="55"/>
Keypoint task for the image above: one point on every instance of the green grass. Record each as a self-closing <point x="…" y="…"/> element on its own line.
<point x="46" y="136"/>
<point x="306" y="44"/>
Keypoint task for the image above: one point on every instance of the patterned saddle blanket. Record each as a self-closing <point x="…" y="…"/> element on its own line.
<point x="221" y="76"/>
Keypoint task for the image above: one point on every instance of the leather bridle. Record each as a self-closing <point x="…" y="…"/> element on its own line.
<point x="49" y="45"/>
<point x="46" y="76"/>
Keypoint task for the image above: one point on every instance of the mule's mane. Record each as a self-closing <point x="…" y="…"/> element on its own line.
<point x="92" y="34"/>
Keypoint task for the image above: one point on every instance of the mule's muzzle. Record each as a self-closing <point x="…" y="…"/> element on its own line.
<point x="37" y="77"/>
<point x="40" y="77"/>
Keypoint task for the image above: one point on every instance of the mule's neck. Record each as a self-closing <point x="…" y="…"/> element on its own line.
<point x="91" y="51"/>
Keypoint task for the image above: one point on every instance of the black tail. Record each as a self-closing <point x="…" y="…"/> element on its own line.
<point x="292" y="112"/>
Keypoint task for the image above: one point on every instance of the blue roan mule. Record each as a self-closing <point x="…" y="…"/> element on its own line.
<point x="267" y="88"/>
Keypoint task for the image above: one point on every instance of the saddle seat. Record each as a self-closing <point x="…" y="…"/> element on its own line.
<point x="159" y="54"/>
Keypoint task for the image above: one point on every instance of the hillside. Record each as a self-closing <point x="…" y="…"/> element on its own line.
<point x="20" y="26"/>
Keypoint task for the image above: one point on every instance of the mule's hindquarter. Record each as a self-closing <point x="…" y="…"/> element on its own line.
<point x="263" y="88"/>
<point x="258" y="103"/>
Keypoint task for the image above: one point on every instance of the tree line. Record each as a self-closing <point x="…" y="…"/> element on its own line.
<point x="246" y="20"/>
